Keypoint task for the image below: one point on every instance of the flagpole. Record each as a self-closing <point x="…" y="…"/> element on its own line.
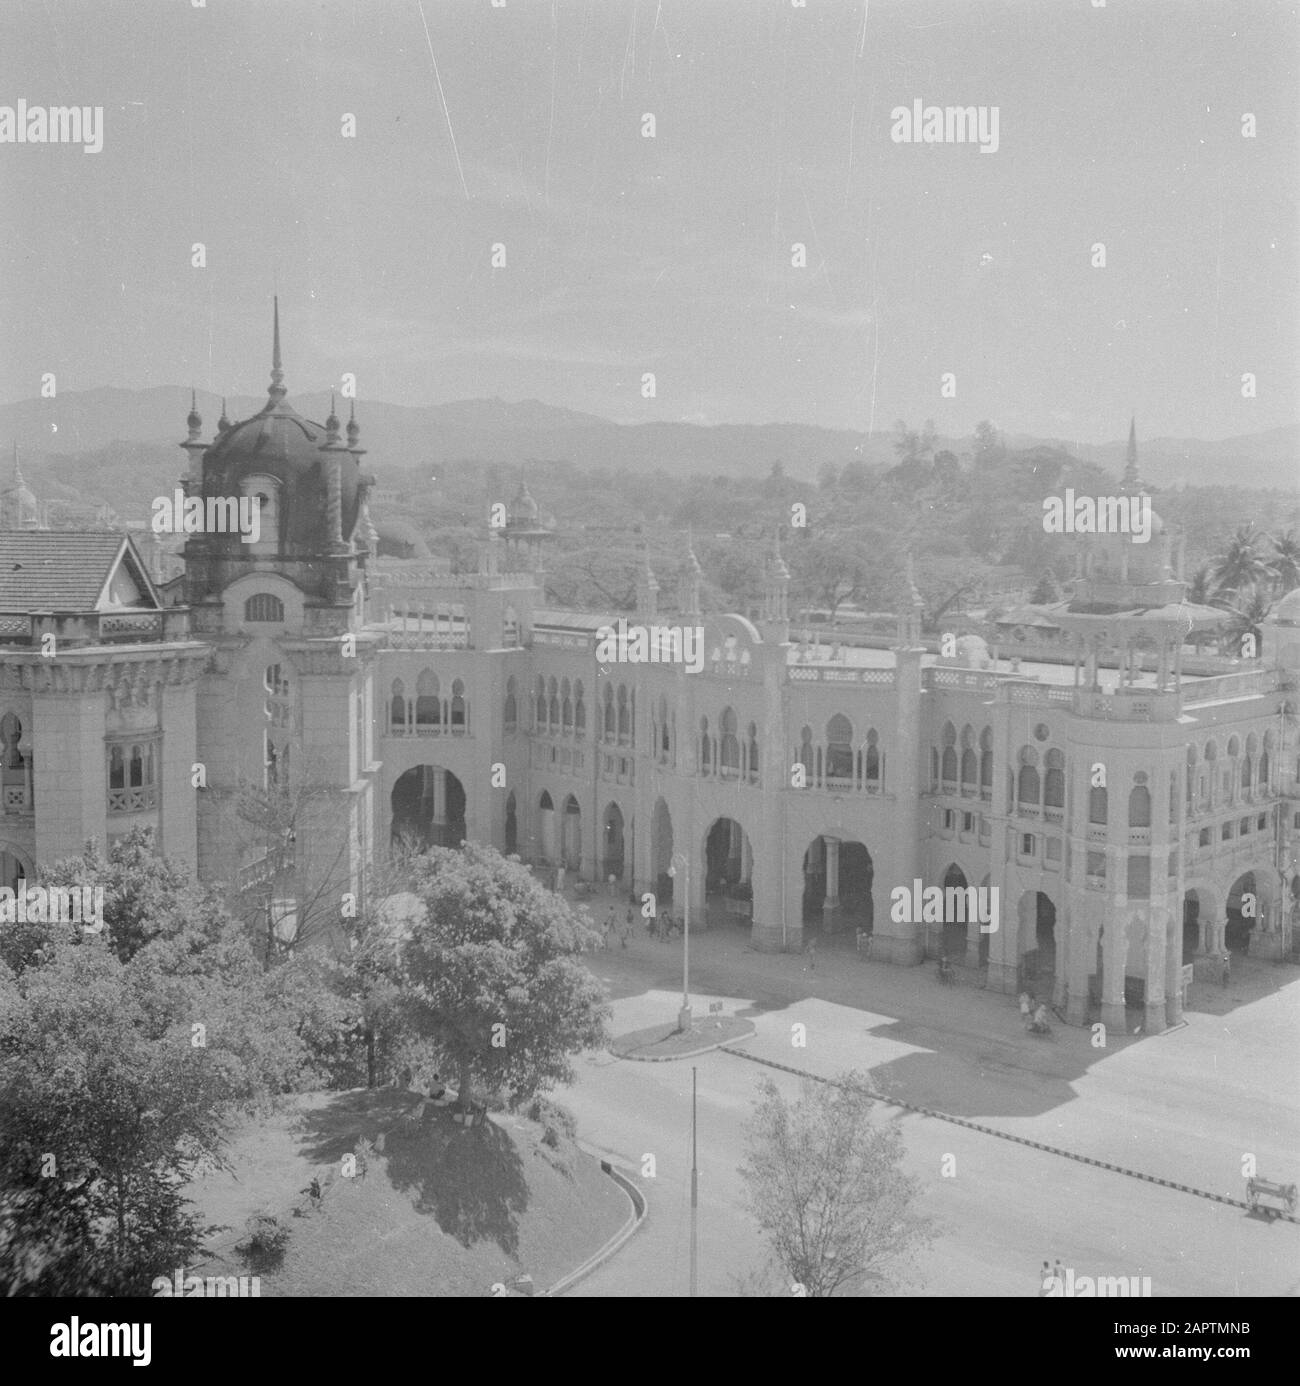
<point x="695" y="1194"/>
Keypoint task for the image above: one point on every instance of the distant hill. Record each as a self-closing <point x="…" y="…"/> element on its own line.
<point x="129" y="429"/>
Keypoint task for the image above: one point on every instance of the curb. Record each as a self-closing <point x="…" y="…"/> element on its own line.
<point x="633" y="1225"/>
<point x="673" y="1058"/>
<point x="1020" y="1140"/>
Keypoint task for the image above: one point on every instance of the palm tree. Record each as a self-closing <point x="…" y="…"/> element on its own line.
<point x="1245" y="618"/>
<point x="1286" y="561"/>
<point x="1200" y="590"/>
<point x="1242" y="564"/>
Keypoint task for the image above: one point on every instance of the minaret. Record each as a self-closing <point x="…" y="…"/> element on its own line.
<point x="1131" y="482"/>
<point x="776" y="595"/>
<point x="223" y="423"/>
<point x="689" y="600"/>
<point x="647" y="589"/>
<point x="193" y="480"/>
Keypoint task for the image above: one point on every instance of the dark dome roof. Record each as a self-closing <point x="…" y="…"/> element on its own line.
<point x="399" y="539"/>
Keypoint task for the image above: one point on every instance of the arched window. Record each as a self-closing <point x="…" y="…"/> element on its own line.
<point x="948" y="765"/>
<point x="729" y="746"/>
<point x="806" y="752"/>
<point x="753" y="753"/>
<point x="663" y="745"/>
<point x="545" y="802"/>
<point x="458" y="706"/>
<point x="539" y="699"/>
<point x="1097" y="806"/>
<point x="839" y="748"/>
<point x="1245" y="772"/>
<point x="706" y="757"/>
<point x="1263" y="769"/>
<point x="566" y="707"/>
<point x="1054" y="780"/>
<point x="263" y="606"/>
<point x="986" y="760"/>
<point x="116" y="768"/>
<point x="969" y="769"/>
<point x="608" y="699"/>
<point x="512" y="707"/>
<point x="553" y="705"/>
<point x="579" y="710"/>
<point x="871" y="760"/>
<point x="1027" y="785"/>
<point x="1139" y="807"/>
<point x="428" y="707"/>
<point x="137" y="766"/>
<point x="624" y="715"/>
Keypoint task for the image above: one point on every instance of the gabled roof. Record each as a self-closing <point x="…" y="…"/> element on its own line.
<point x="66" y="570"/>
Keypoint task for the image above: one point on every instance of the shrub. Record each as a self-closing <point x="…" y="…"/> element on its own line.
<point x="264" y="1246"/>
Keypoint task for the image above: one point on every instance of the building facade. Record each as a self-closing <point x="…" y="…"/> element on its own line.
<point x="1128" y="804"/>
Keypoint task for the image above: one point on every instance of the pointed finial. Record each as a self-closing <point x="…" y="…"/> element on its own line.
<point x="223" y="423"/>
<point x="332" y="423"/>
<point x="18" y="471"/>
<point x="1131" y="457"/>
<point x="194" y="422"/>
<point x="277" y="390"/>
<point x="354" y="428"/>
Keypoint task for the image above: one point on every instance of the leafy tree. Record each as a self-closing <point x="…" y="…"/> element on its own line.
<point x="827" y="1187"/>
<point x="1047" y="590"/>
<point x="494" y="975"/>
<point x="106" y="1115"/>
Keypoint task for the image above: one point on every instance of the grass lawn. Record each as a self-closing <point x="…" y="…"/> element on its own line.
<point x="442" y="1210"/>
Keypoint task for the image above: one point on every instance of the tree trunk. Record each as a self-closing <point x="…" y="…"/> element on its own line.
<point x="466" y="1095"/>
<point x="370" y="1056"/>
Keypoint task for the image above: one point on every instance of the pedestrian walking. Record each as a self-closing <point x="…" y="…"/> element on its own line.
<point x="1024" y="1005"/>
<point x="609" y="926"/>
<point x="627" y="927"/>
<point x="811" y="950"/>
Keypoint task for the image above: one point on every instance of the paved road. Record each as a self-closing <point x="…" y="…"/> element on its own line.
<point x="1186" y="1106"/>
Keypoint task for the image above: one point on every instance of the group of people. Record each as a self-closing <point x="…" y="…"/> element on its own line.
<point x="613" y="925"/>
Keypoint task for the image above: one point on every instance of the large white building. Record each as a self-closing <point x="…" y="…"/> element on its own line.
<point x="1133" y="803"/>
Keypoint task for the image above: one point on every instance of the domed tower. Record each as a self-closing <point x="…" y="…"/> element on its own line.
<point x="301" y="486"/>
<point x="19" y="508"/>
<point x="526" y="531"/>
<point x="286" y="708"/>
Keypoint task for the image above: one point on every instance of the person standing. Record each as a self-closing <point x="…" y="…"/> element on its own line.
<point x="1024" y="1006"/>
<point x="812" y="954"/>
<point x="1046" y="1284"/>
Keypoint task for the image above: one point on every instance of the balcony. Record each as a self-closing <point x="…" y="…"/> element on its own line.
<point x="137" y="799"/>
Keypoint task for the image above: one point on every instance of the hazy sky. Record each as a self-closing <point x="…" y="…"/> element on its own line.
<point x="1119" y="124"/>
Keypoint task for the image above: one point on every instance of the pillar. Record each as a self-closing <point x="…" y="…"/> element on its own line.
<point x="1115" y="943"/>
<point x="831" y="904"/>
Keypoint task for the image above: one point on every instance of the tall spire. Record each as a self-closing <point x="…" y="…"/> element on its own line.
<point x="1131" y="457"/>
<point x="193" y="422"/>
<point x="277" y="390"/>
<point x="18" y="471"/>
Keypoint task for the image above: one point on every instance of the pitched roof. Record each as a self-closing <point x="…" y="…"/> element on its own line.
<point x="62" y="570"/>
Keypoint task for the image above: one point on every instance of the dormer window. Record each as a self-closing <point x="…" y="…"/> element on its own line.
<point x="264" y="492"/>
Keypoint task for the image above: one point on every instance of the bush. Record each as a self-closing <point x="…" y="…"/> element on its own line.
<point x="555" y="1119"/>
<point x="264" y="1246"/>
